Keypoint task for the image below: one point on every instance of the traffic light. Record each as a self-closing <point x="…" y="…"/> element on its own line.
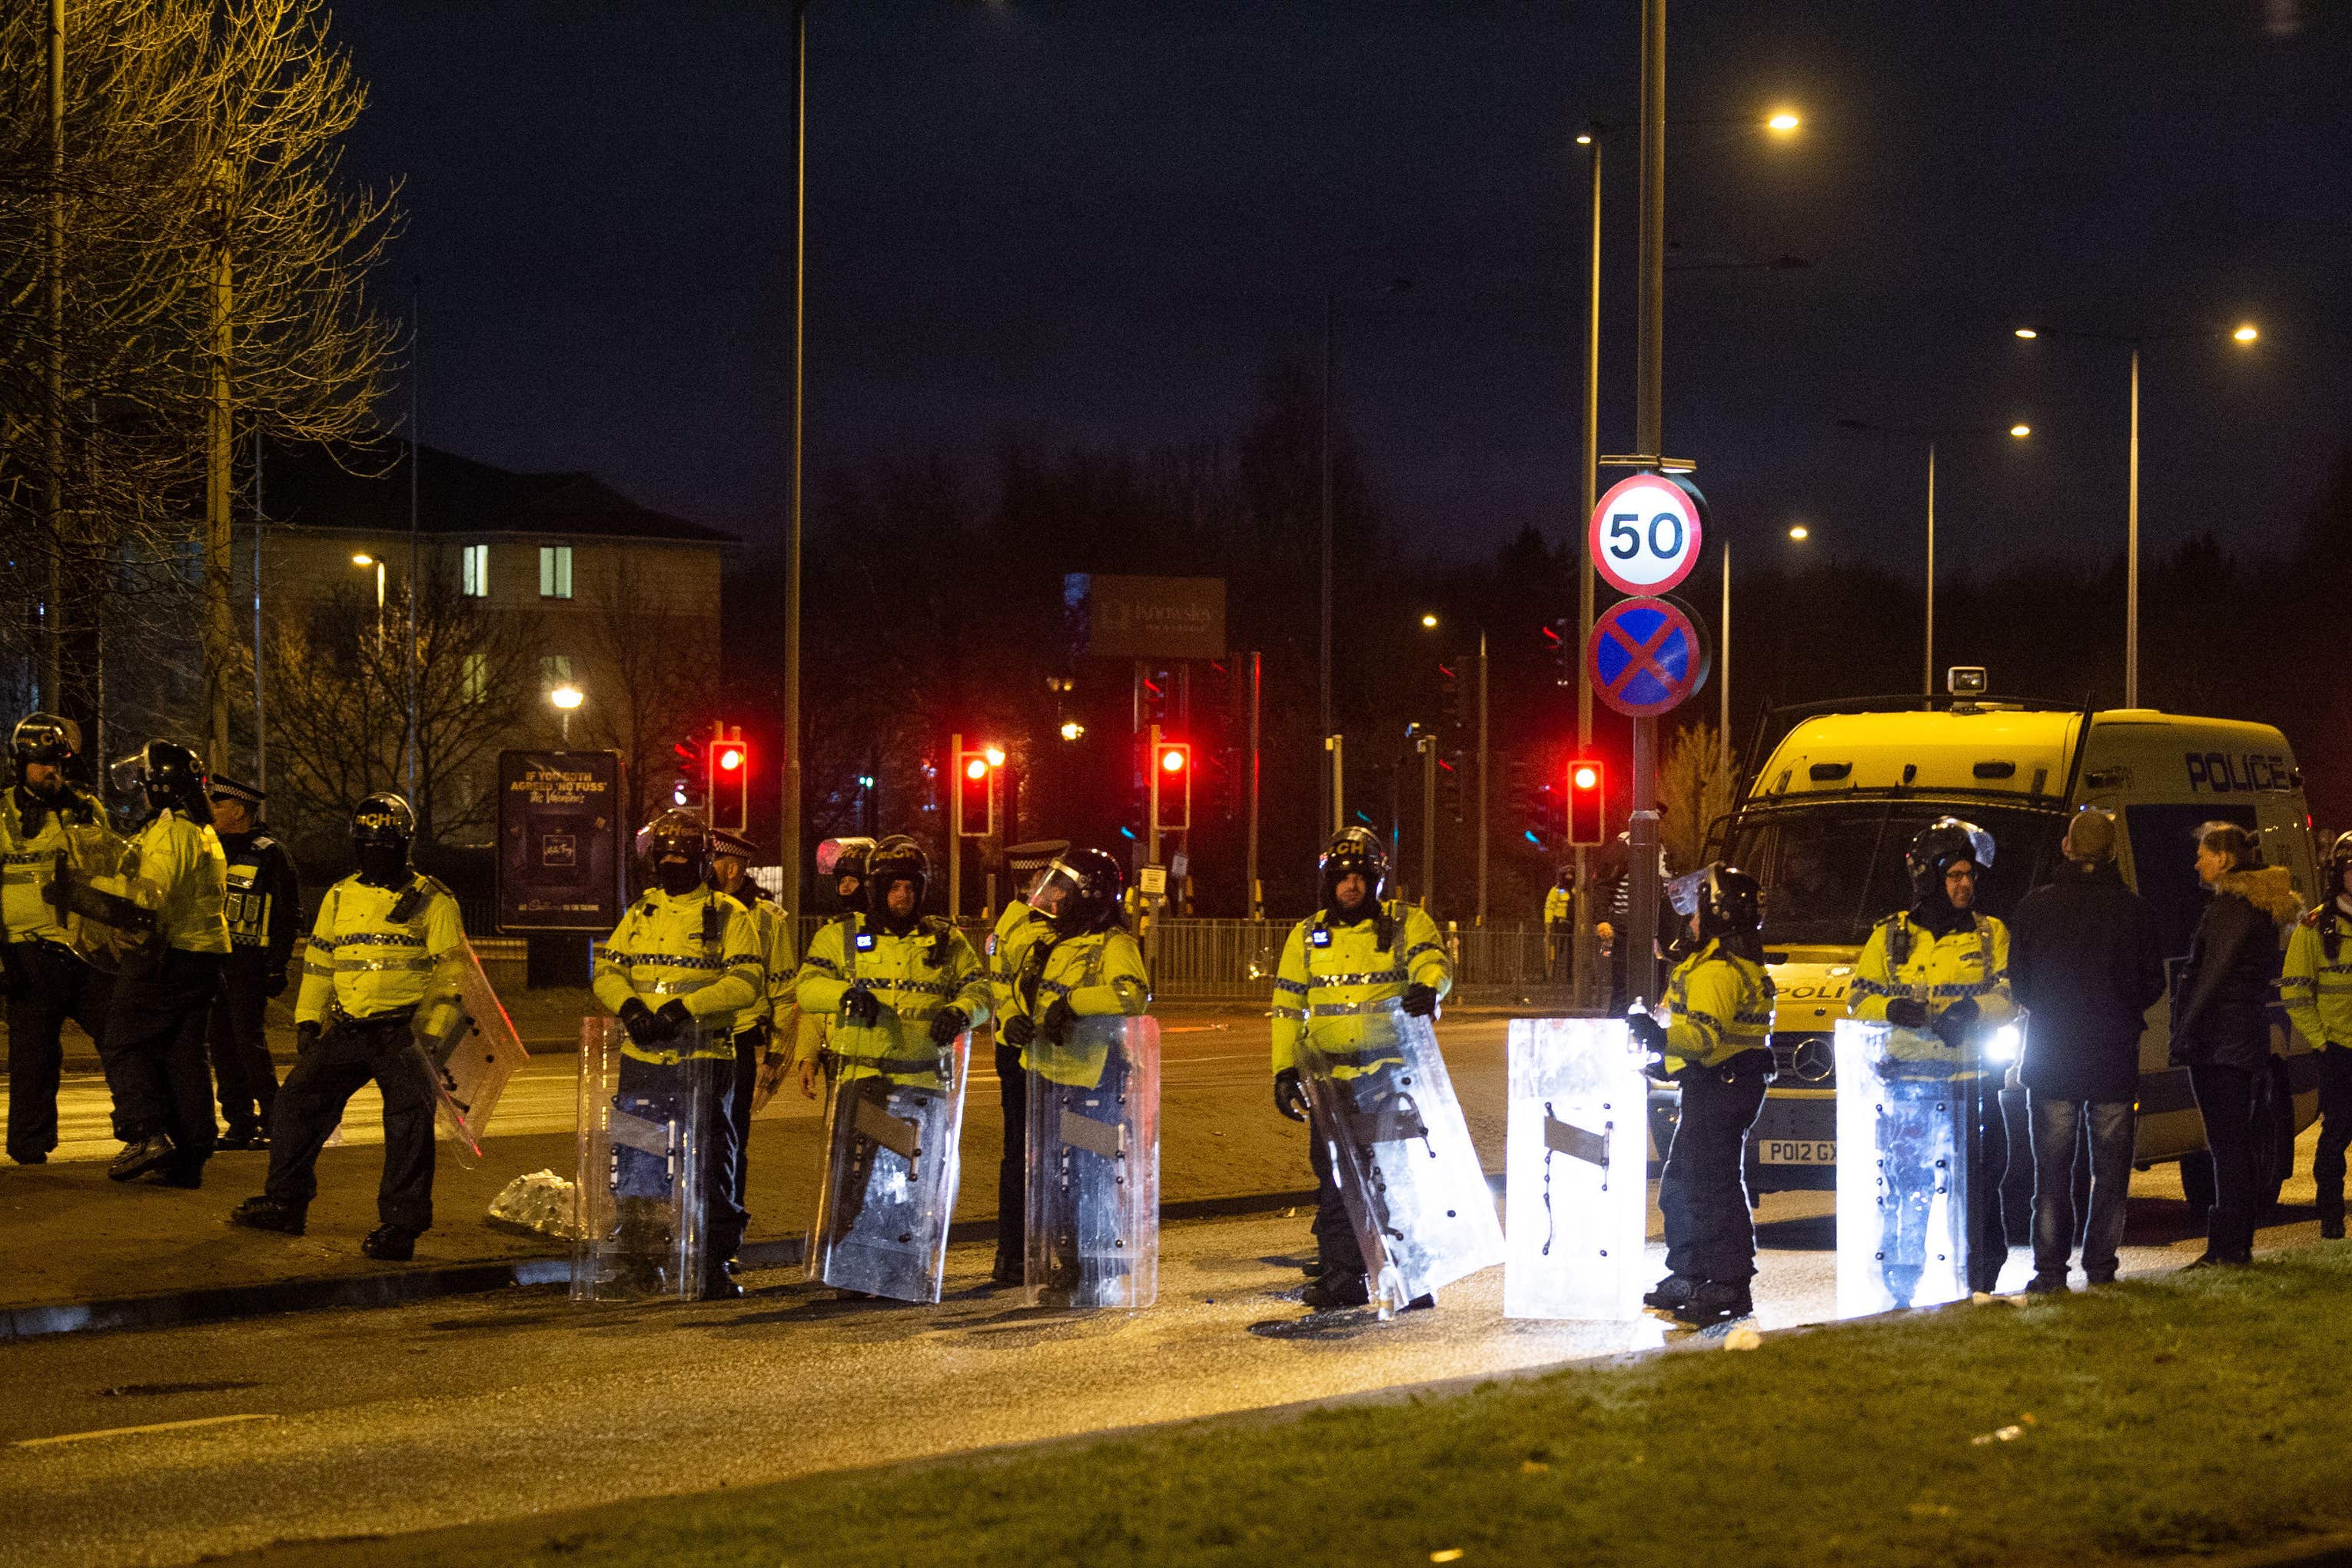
<point x="1588" y="821"/>
<point x="1449" y="783"/>
<point x="1561" y="646"/>
<point x="731" y="778"/>
<point x="1171" y="767"/>
<point x="975" y="784"/>
<point x="1449" y="697"/>
<point x="689" y="789"/>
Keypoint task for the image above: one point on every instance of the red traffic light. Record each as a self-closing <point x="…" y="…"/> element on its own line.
<point x="1171" y="759"/>
<point x="975" y="766"/>
<point x="1587" y="821"/>
<point x="1585" y="776"/>
<point x="729" y="758"/>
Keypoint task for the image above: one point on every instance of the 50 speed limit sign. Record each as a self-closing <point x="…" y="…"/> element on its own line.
<point x="1645" y="535"/>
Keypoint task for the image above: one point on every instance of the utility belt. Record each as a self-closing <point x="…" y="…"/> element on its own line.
<point x="338" y="1019"/>
<point x="1756" y="1062"/>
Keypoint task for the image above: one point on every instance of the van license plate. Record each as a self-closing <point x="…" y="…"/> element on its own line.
<point x="1798" y="1151"/>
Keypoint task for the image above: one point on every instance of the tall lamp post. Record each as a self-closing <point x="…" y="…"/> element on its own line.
<point x="1798" y="533"/>
<point x="2244" y="335"/>
<point x="567" y="698"/>
<point x="2018" y="431"/>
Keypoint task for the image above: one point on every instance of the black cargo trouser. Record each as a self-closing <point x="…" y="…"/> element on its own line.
<point x="247" y="1078"/>
<point x="1012" y="1170"/>
<point x="1703" y="1191"/>
<point x="2334" y="1129"/>
<point x="154" y="1053"/>
<point x="311" y="1104"/>
<point x="2225" y="1098"/>
<point x="751" y="1048"/>
<point x="48" y="983"/>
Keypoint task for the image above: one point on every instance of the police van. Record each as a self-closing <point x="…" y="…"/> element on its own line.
<point x="1823" y="820"/>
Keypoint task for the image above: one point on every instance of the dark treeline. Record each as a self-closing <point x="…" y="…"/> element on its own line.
<point x="934" y="605"/>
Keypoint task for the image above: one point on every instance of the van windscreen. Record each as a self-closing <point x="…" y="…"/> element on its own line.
<point x="1832" y="869"/>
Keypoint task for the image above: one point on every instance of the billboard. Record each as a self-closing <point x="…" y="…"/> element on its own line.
<point x="560" y="849"/>
<point x="1145" y="617"/>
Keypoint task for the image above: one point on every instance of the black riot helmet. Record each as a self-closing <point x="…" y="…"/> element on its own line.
<point x="1728" y="901"/>
<point x="170" y="775"/>
<point x="1354" y="851"/>
<point x="676" y="845"/>
<point x="897" y="859"/>
<point x="45" y="737"/>
<point x="382" y="828"/>
<point x="1936" y="847"/>
<point x="2340" y="864"/>
<point x="843" y="860"/>
<point x="1081" y="891"/>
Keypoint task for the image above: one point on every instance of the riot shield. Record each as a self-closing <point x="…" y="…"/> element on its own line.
<point x="1576" y="1170"/>
<point x="1902" y="1170"/>
<point x="468" y="1048"/>
<point x="1093" y="1223"/>
<point x="1380" y="1098"/>
<point x="893" y="1122"/>
<point x="107" y="909"/>
<point x="637" y="1201"/>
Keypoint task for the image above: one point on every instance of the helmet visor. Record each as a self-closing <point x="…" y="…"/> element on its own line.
<point x="832" y="853"/>
<point x="1687" y="892"/>
<point x="1980" y="843"/>
<point x="1058" y="885"/>
<point x="130" y="773"/>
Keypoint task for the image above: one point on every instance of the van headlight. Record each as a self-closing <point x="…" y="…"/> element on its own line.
<point x="2005" y="1044"/>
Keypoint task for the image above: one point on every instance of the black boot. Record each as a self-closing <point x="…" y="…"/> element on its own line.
<point x="1334" y="1289"/>
<point x="269" y="1214"/>
<point x="2331" y="1227"/>
<point x="138" y="1159"/>
<point x="1715" y="1302"/>
<point x="1670" y="1293"/>
<point x="389" y="1243"/>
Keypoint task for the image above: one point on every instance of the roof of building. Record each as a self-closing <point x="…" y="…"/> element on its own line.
<point x="365" y="486"/>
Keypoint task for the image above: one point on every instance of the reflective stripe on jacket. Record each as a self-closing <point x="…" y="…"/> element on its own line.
<point x="186" y="862"/>
<point x="913" y="976"/>
<point x="1098" y="973"/>
<point x="1971" y="962"/>
<point x="365" y="962"/>
<point x="1718" y="1005"/>
<point x="1018" y="929"/>
<point x="1332" y="975"/>
<point x="26" y="864"/>
<point x="701" y="948"/>
<point x="2317" y="991"/>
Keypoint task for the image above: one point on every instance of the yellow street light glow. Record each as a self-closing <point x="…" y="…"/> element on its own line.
<point x="2246" y="334"/>
<point x="1800" y="533"/>
<point x="2020" y="431"/>
<point x="995" y="756"/>
<point x="362" y="559"/>
<point x="1585" y="140"/>
<point x="567" y="697"/>
<point x="1782" y="121"/>
<point x="1072" y="729"/>
<point x="2027" y="333"/>
<point x="1429" y="620"/>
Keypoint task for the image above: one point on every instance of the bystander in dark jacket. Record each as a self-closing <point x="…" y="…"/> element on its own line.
<point x="2085" y="963"/>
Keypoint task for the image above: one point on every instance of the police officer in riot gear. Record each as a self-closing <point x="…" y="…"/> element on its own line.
<point x="45" y="981"/>
<point x="1018" y="927"/>
<point x="154" y="1053"/>
<point x="760" y="1048"/>
<point x="265" y="905"/>
<point x="1939" y="973"/>
<point x="682" y="972"/>
<point x="380" y="934"/>
<point x="2317" y="988"/>
<point x="1359" y="949"/>
<point x="1717" y="1043"/>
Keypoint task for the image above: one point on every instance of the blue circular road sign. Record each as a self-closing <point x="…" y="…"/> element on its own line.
<point x="1646" y="656"/>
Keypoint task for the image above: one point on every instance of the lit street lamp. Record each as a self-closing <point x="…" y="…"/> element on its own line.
<point x="2244" y="335"/>
<point x="365" y="560"/>
<point x="566" y="698"/>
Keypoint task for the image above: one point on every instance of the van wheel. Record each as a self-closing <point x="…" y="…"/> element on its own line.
<point x="2273" y="1137"/>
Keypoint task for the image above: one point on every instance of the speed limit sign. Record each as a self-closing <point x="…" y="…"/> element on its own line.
<point x="1645" y="535"/>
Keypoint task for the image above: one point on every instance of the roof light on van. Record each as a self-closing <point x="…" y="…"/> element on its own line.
<point x="1996" y="769"/>
<point x="1828" y="772"/>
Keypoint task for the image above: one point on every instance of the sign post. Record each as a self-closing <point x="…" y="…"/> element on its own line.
<point x="1644" y="539"/>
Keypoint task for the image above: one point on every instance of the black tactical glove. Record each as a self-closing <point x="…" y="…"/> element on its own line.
<point x="1020" y="1029"/>
<point x="1953" y="1024"/>
<point x="947" y="1024"/>
<point x="1057" y="1020"/>
<point x="1648" y="1033"/>
<point x="1907" y="1013"/>
<point x="861" y="1007"/>
<point x="1289" y="1097"/>
<point x="306" y="1034"/>
<point x="1420" y="1001"/>
<point x="675" y="1019"/>
<point x="639" y="1019"/>
<point x="275" y="985"/>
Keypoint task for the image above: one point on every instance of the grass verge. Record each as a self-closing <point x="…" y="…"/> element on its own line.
<point x="2204" y="1411"/>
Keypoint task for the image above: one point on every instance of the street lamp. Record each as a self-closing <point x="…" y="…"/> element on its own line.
<point x="1800" y="533"/>
<point x="2244" y="335"/>
<point x="566" y="698"/>
<point x="365" y="560"/>
<point x="1430" y="622"/>
<point x="2019" y="431"/>
<point x="1072" y="729"/>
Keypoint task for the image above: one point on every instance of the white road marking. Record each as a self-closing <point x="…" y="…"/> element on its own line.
<point x="133" y="1431"/>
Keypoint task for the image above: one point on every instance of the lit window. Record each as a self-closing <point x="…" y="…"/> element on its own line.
<point x="555" y="571"/>
<point x="478" y="571"/>
<point x="555" y="669"/>
<point x="474" y="683"/>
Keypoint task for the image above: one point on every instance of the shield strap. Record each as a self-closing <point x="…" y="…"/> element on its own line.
<point x="76" y="897"/>
<point x="1106" y="1139"/>
<point x="874" y="1121"/>
<point x="1396" y="1120"/>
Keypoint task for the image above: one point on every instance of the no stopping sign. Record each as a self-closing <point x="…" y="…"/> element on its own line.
<point x="1645" y="536"/>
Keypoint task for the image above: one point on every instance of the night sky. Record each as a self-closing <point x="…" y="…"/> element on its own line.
<point x="1092" y="223"/>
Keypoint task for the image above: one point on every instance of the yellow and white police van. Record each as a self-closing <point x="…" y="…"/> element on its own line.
<point x="1823" y="820"/>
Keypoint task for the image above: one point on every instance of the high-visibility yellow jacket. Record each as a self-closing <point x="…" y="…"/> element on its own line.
<point x="1018" y="929"/>
<point x="28" y="861"/>
<point x="1902" y="958"/>
<point x="913" y="976"/>
<point x="2317" y="989"/>
<point x="701" y="948"/>
<point x="1098" y="973"/>
<point x="1332" y="976"/>
<point x="187" y="863"/>
<point x="1557" y="906"/>
<point x="780" y="968"/>
<point x="1717" y="1004"/>
<point x="377" y="950"/>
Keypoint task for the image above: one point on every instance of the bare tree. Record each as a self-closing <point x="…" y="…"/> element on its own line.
<point x="1695" y="784"/>
<point x="651" y="679"/>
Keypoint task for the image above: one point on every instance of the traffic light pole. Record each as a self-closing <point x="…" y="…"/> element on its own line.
<point x="1586" y="950"/>
<point x="1482" y="776"/>
<point x="1428" y="817"/>
<point x="955" y="827"/>
<point x="1638" y="941"/>
<point x="1151" y="813"/>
